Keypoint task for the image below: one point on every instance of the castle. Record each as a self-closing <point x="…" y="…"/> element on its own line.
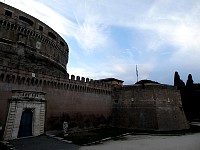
<point x="37" y="94"/>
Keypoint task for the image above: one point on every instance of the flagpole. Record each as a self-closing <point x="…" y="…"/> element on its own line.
<point x="137" y="73"/>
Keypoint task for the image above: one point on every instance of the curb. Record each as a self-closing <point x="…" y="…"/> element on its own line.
<point x="7" y="145"/>
<point x="59" y="138"/>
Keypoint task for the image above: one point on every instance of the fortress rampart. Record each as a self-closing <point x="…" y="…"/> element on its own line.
<point x="148" y="107"/>
<point x="82" y="102"/>
<point x="34" y="82"/>
<point x="26" y="36"/>
<point x="33" y="59"/>
<point x="80" y="84"/>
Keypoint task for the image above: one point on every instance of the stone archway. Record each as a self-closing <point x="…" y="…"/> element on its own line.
<point x="21" y="103"/>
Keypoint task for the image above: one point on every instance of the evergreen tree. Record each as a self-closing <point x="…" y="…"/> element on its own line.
<point x="191" y="98"/>
<point x="181" y="87"/>
<point x="176" y="79"/>
<point x="190" y="82"/>
<point x="178" y="82"/>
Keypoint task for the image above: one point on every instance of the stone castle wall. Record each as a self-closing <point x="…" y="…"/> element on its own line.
<point x="148" y="107"/>
<point x="82" y="102"/>
<point x="31" y="43"/>
<point x="33" y="59"/>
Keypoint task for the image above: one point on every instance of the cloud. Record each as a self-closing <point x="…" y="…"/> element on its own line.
<point x="116" y="67"/>
<point x="85" y="28"/>
<point x="167" y="34"/>
<point x="90" y="36"/>
<point x="46" y="14"/>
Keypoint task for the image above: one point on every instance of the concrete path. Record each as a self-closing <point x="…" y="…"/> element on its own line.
<point x="133" y="142"/>
<point x="41" y="143"/>
<point x="151" y="142"/>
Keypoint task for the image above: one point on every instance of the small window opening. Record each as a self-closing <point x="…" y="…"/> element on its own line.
<point x="115" y="89"/>
<point x="26" y="20"/>
<point x="61" y="43"/>
<point x="116" y="101"/>
<point x="8" y="13"/>
<point x="53" y="36"/>
<point x="181" y="108"/>
<point x="40" y="28"/>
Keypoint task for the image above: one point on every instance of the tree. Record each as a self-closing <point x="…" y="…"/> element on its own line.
<point x="178" y="82"/>
<point x="176" y="79"/>
<point x="190" y="82"/>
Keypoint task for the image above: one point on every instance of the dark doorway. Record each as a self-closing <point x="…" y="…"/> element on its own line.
<point x="25" y="128"/>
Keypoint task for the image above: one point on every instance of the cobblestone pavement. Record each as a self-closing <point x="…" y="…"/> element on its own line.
<point x="41" y="143"/>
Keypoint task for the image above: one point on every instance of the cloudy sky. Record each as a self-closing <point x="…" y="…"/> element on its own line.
<point x="108" y="38"/>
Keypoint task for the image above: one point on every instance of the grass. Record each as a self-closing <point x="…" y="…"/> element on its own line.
<point x="97" y="135"/>
<point x="86" y="137"/>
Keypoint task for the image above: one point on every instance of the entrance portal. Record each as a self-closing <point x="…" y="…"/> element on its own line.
<point x="26" y="115"/>
<point x="25" y="128"/>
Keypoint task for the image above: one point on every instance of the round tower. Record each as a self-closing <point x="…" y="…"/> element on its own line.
<point x="28" y="44"/>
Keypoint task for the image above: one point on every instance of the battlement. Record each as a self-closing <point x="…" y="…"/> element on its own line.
<point x="72" y="83"/>
<point x="149" y="86"/>
<point x="147" y="94"/>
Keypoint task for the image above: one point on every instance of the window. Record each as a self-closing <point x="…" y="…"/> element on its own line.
<point x="114" y="89"/>
<point x="26" y="20"/>
<point x="40" y="28"/>
<point x="53" y="36"/>
<point x="38" y="45"/>
<point x="61" y="43"/>
<point x="8" y="13"/>
<point x="116" y="101"/>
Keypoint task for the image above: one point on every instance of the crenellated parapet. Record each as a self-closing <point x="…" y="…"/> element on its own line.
<point x="34" y="80"/>
<point x="70" y="83"/>
<point x="149" y="86"/>
<point x="148" y="95"/>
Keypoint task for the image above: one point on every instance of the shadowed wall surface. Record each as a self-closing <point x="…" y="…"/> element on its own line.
<point x="148" y="107"/>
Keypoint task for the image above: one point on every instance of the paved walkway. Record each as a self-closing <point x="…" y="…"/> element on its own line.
<point x="41" y="143"/>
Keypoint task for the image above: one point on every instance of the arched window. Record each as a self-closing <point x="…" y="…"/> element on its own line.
<point x="41" y="28"/>
<point x="8" y="13"/>
<point x="23" y="80"/>
<point x="26" y="20"/>
<point x="53" y="36"/>
<point x="2" y="77"/>
<point x="8" y="78"/>
<point x="13" y="79"/>
<point x="61" y="43"/>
